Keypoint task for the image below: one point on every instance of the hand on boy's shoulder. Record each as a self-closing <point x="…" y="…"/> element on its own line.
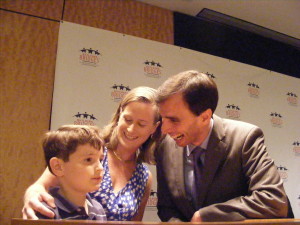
<point x="54" y="210"/>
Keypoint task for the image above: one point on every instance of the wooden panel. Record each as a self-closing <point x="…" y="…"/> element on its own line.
<point x="86" y="222"/>
<point x="51" y="9"/>
<point x="123" y="16"/>
<point x="28" y="53"/>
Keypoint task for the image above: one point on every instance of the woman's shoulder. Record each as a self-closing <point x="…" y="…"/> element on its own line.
<point x="142" y="166"/>
<point x="142" y="171"/>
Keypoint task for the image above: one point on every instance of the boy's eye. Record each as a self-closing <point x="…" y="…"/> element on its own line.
<point x="88" y="159"/>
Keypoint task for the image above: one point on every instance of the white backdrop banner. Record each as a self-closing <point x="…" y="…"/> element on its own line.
<point x="95" y="68"/>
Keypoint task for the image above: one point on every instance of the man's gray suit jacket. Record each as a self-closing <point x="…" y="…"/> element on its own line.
<point x="239" y="180"/>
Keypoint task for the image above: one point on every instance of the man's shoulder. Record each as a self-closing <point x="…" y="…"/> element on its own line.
<point x="235" y="129"/>
<point x="168" y="142"/>
<point x="233" y="123"/>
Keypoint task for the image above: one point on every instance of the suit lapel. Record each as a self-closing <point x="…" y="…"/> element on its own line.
<point x="176" y="176"/>
<point x="216" y="152"/>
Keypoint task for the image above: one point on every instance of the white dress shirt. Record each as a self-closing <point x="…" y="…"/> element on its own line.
<point x="189" y="179"/>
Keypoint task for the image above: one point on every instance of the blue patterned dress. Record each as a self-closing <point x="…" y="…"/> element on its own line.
<point x="124" y="205"/>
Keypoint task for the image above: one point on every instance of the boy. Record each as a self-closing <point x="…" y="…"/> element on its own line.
<point x="73" y="154"/>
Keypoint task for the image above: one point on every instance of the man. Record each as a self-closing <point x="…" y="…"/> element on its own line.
<point x="233" y="177"/>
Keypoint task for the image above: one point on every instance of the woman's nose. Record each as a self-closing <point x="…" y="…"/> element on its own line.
<point x="131" y="127"/>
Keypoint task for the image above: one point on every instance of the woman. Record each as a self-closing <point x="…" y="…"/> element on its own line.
<point x="130" y="139"/>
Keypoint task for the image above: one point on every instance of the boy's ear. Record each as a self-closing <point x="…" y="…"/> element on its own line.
<point x="56" y="165"/>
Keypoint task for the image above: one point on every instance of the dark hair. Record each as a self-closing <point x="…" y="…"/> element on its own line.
<point x="64" y="141"/>
<point x="198" y="90"/>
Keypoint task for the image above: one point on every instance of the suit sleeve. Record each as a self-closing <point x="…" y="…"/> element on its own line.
<point x="167" y="210"/>
<point x="265" y="197"/>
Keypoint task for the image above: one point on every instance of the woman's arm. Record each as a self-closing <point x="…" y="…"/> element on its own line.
<point x="141" y="210"/>
<point x="37" y="193"/>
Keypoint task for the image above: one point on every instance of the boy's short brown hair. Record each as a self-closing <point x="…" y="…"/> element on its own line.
<point x="63" y="142"/>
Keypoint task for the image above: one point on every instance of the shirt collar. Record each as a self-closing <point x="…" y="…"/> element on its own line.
<point x="64" y="204"/>
<point x="204" y="144"/>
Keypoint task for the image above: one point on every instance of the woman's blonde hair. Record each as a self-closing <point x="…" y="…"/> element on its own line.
<point x="109" y="132"/>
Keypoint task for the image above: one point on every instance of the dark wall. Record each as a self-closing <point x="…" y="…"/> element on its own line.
<point x="236" y="44"/>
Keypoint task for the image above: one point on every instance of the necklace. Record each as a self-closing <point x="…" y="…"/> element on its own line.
<point x="122" y="160"/>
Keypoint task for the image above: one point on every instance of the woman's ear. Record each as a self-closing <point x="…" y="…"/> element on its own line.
<point x="155" y="127"/>
<point x="157" y="124"/>
<point x="57" y="167"/>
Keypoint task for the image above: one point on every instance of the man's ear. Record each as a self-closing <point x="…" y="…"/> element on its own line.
<point x="57" y="166"/>
<point x="206" y="115"/>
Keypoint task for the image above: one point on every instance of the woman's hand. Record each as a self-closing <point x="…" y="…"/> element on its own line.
<point x="33" y="198"/>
